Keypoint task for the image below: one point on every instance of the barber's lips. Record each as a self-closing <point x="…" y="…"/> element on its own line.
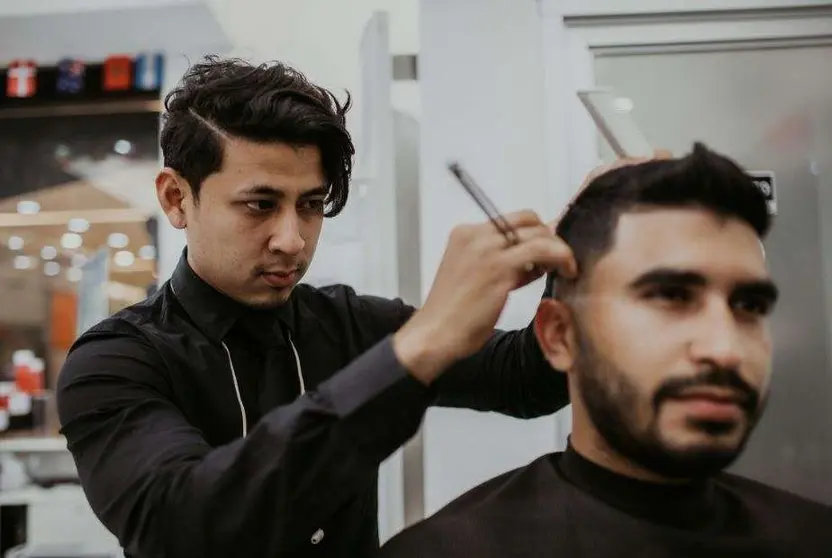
<point x="712" y="405"/>
<point x="280" y="279"/>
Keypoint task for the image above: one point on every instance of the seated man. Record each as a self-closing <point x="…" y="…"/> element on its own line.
<point x="665" y="339"/>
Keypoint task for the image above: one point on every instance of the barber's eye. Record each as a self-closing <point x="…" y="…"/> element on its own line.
<point x="260" y="206"/>
<point x="316" y="205"/>
<point x="671" y="293"/>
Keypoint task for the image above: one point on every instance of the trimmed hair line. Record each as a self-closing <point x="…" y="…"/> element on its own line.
<point x="210" y="125"/>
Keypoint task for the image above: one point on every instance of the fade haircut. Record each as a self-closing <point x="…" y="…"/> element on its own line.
<point x="268" y="103"/>
<point x="703" y="179"/>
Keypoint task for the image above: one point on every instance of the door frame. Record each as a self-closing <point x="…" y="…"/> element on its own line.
<point x="375" y="176"/>
<point x="575" y="32"/>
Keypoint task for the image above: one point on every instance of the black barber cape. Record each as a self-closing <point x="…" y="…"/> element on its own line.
<point x="562" y="505"/>
<point x="152" y="402"/>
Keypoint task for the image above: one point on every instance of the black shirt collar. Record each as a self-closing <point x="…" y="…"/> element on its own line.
<point x="215" y="313"/>
<point x="689" y="506"/>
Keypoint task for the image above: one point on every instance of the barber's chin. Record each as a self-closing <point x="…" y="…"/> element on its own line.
<point x="271" y="298"/>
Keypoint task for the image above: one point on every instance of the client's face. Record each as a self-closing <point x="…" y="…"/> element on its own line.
<point x="672" y="349"/>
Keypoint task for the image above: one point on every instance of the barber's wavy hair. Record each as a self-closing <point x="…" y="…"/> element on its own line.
<point x="265" y="103"/>
<point x="702" y="179"/>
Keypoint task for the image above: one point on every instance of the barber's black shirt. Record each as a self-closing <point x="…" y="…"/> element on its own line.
<point x="203" y="428"/>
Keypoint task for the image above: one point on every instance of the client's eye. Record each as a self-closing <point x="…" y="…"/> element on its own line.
<point x="670" y="293"/>
<point x="757" y="305"/>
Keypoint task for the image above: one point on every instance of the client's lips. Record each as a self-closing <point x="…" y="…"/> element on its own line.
<point x="713" y="404"/>
<point x="721" y="395"/>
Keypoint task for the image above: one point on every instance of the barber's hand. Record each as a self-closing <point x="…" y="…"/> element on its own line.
<point x="478" y="271"/>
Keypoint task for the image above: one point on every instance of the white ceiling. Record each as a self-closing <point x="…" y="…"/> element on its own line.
<point x="92" y="29"/>
<point x="42" y="7"/>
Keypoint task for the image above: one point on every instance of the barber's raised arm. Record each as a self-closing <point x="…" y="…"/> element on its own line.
<point x="508" y="376"/>
<point x="156" y="483"/>
<point x="488" y="370"/>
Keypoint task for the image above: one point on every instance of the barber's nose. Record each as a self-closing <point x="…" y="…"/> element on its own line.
<point x="717" y="341"/>
<point x="286" y="235"/>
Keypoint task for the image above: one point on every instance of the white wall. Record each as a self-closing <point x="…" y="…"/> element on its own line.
<point x="482" y="83"/>
<point x="319" y="37"/>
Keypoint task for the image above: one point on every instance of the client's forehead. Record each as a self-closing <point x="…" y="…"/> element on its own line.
<point x="693" y="239"/>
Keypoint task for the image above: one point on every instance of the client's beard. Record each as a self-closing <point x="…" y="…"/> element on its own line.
<point x="612" y="403"/>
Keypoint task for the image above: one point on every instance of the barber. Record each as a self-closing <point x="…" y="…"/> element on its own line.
<point x="238" y="413"/>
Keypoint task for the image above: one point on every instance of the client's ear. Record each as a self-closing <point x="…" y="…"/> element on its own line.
<point x="555" y="332"/>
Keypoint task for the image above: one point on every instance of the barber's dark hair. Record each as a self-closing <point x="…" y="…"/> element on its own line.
<point x="702" y="179"/>
<point x="265" y="103"/>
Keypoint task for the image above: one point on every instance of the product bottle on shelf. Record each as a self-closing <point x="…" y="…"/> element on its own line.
<point x="25" y="383"/>
<point x="6" y="389"/>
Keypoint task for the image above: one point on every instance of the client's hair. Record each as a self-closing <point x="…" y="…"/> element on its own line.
<point x="267" y="103"/>
<point x="702" y="179"/>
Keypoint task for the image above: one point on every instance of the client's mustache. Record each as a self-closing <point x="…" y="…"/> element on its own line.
<point x="715" y="377"/>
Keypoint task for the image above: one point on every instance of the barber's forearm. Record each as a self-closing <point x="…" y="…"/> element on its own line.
<point x="158" y="485"/>
<point x="509" y="375"/>
<point x="417" y="347"/>
<point x="380" y="403"/>
<point x="326" y="449"/>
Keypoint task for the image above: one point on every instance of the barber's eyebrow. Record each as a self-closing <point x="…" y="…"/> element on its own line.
<point x="764" y="288"/>
<point x="277" y="192"/>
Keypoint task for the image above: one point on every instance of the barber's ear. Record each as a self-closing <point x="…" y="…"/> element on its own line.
<point x="555" y="332"/>
<point x="172" y="192"/>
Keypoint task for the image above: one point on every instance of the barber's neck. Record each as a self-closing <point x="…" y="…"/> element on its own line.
<point x="589" y="444"/>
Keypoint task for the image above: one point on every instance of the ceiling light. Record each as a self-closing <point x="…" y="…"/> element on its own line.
<point x="123" y="147"/>
<point x="73" y="274"/>
<point x="22" y="262"/>
<point x="124" y="258"/>
<point x="48" y="252"/>
<point x="28" y="207"/>
<point x="51" y="268"/>
<point x="71" y="241"/>
<point x="117" y="240"/>
<point x="78" y="260"/>
<point x="78" y="225"/>
<point x="62" y="152"/>
<point x="15" y="243"/>
<point x="147" y="252"/>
